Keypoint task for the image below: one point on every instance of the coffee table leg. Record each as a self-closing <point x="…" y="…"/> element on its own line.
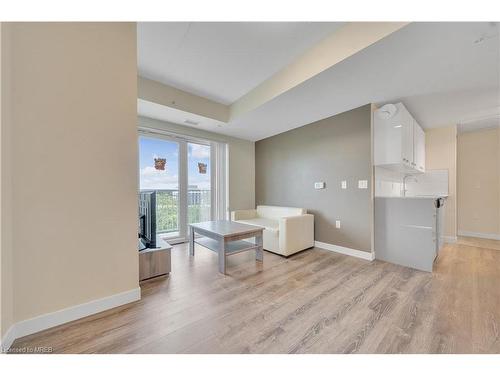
<point x="191" y="241"/>
<point x="259" y="253"/>
<point x="222" y="256"/>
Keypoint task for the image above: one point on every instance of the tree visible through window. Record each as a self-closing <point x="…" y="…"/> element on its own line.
<point x="159" y="170"/>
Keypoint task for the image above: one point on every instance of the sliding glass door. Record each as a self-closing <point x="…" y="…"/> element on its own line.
<point x="182" y="173"/>
<point x="159" y="171"/>
<point x="199" y="183"/>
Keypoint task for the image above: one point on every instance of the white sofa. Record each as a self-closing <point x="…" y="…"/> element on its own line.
<point x="287" y="230"/>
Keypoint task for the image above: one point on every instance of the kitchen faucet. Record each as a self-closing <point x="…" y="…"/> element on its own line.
<point x="405" y="178"/>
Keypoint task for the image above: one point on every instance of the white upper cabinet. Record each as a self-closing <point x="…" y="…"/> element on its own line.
<point x="419" y="147"/>
<point x="399" y="141"/>
<point x="407" y="138"/>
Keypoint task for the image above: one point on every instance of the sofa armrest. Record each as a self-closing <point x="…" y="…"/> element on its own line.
<point x="243" y="214"/>
<point x="296" y="233"/>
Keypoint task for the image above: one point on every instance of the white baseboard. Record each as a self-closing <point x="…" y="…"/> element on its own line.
<point x="488" y="236"/>
<point x="345" y="250"/>
<point x="7" y="339"/>
<point x="42" y="322"/>
<point x="450" y="239"/>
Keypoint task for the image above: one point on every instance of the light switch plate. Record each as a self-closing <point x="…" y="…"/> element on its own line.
<point x="337" y="224"/>
<point x="363" y="184"/>
<point x="319" y="185"/>
<point x="344" y="184"/>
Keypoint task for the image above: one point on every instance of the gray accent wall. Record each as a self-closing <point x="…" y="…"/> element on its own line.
<point x="330" y="150"/>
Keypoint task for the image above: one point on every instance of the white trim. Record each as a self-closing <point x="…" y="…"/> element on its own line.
<point x="219" y="180"/>
<point x="170" y="135"/>
<point x="345" y="250"/>
<point x="488" y="236"/>
<point x="7" y="339"/>
<point x="450" y="239"/>
<point x="213" y="181"/>
<point x="46" y="321"/>
<point x="227" y="213"/>
<point x="183" y="180"/>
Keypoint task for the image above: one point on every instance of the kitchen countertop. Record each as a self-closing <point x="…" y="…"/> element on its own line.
<point x="416" y="197"/>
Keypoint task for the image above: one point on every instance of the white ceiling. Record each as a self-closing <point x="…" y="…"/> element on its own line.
<point x="436" y="69"/>
<point x="222" y="61"/>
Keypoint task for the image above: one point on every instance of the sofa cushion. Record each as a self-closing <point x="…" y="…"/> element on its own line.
<point x="276" y="212"/>
<point x="269" y="224"/>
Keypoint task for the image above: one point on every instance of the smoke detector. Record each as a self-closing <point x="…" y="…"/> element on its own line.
<point x="492" y="33"/>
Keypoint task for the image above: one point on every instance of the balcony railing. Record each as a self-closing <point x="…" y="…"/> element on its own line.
<point x="167" y="208"/>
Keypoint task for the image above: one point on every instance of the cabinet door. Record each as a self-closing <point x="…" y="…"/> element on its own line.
<point x="419" y="148"/>
<point x="387" y="136"/>
<point x="407" y="139"/>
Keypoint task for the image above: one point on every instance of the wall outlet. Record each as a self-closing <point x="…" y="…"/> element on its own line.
<point x="344" y="184"/>
<point x="319" y="185"/>
<point x="337" y="224"/>
<point x="363" y="184"/>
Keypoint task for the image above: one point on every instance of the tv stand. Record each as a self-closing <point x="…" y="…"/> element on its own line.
<point x="154" y="262"/>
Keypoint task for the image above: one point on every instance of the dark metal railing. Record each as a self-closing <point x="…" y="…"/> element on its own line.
<point x="167" y="208"/>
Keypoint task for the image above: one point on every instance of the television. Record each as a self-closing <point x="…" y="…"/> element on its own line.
<point x="147" y="220"/>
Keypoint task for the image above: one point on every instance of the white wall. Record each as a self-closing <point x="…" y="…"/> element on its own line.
<point x="241" y="160"/>
<point x="432" y="182"/>
<point x="441" y="153"/>
<point x="387" y="183"/>
<point x="73" y="123"/>
<point x="479" y="182"/>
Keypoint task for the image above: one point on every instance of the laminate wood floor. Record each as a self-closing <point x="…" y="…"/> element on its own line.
<point x="314" y="302"/>
<point x="479" y="242"/>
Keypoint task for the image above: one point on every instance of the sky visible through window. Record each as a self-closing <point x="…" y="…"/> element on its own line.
<point x="151" y="178"/>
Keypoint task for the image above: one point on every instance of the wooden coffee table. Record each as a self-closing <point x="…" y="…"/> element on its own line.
<point x="226" y="238"/>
